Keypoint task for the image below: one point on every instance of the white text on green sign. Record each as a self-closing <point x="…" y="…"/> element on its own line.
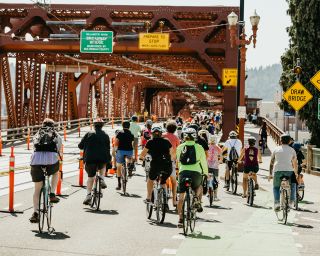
<point x="96" y="41"/>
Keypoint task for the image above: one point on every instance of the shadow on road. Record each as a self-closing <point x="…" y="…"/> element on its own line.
<point x="165" y="224"/>
<point x="218" y="207"/>
<point x="208" y="221"/>
<point x="299" y="225"/>
<point x="107" y="212"/>
<point x="130" y="195"/>
<point x="54" y="236"/>
<point x="261" y="207"/>
<point x="199" y="235"/>
<point x="306" y="202"/>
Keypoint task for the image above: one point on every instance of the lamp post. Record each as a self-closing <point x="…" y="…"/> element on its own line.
<point x="242" y="43"/>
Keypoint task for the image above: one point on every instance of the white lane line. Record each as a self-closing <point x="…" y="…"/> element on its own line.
<point x="179" y="237"/>
<point x="14" y="206"/>
<point x="169" y="251"/>
<point x="307" y="218"/>
<point x="299" y="245"/>
<point x="212" y="213"/>
<point x="295" y="233"/>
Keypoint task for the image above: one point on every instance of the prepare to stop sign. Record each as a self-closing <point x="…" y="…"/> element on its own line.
<point x="297" y="96"/>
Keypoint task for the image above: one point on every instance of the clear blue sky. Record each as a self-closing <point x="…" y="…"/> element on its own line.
<point x="272" y="36"/>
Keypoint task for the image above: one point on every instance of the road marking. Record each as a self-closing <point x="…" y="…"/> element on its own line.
<point x="212" y="213"/>
<point x="169" y="251"/>
<point x="299" y="245"/>
<point x="307" y="218"/>
<point x="179" y="237"/>
<point x="14" y="206"/>
<point x="295" y="233"/>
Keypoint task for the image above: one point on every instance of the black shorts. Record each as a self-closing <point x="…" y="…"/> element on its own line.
<point x="229" y="163"/>
<point x="37" y="173"/>
<point x="163" y="167"/>
<point x="91" y="169"/>
<point x="194" y="176"/>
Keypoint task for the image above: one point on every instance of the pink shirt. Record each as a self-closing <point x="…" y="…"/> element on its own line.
<point x="213" y="153"/>
<point x="174" y="140"/>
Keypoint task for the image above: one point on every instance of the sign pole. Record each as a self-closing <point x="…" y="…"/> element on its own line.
<point x="296" y="124"/>
<point x="318" y="108"/>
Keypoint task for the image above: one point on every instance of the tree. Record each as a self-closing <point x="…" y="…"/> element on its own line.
<point x="304" y="44"/>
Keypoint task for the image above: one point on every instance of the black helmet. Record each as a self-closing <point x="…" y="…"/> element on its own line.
<point x="134" y="118"/>
<point x="48" y="122"/>
<point x="126" y="125"/>
<point x="285" y="138"/>
<point x="252" y="141"/>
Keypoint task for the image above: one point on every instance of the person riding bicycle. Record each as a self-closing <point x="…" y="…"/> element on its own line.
<point x="135" y="129"/>
<point x="301" y="163"/>
<point x="192" y="164"/>
<point x="200" y="139"/>
<point x="233" y="147"/>
<point x="214" y="153"/>
<point x="113" y="141"/>
<point x="124" y="148"/>
<point x="96" y="155"/>
<point x="47" y="143"/>
<point x="175" y="142"/>
<point x="264" y="134"/>
<point x="252" y="158"/>
<point x="283" y="164"/>
<point x="161" y="153"/>
<point x="146" y="133"/>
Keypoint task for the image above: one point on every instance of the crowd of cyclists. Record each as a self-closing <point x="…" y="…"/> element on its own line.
<point x="178" y="148"/>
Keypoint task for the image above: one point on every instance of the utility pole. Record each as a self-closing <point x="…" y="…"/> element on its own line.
<point x="297" y="70"/>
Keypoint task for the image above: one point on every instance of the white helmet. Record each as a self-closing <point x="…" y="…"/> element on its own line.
<point x="189" y="133"/>
<point x="233" y="134"/>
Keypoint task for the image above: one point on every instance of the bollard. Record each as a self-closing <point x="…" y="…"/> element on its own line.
<point x="90" y="124"/>
<point x="59" y="185"/>
<point x="81" y="169"/>
<point x="79" y="129"/>
<point x="11" y="184"/>
<point x="28" y="139"/>
<point x="121" y="118"/>
<point x="0" y="144"/>
<point x="112" y="123"/>
<point x="65" y="133"/>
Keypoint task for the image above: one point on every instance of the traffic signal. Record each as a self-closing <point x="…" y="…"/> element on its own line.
<point x="219" y="87"/>
<point x="297" y="70"/>
<point x="205" y="87"/>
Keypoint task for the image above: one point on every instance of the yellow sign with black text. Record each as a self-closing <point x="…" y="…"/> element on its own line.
<point x="229" y="76"/>
<point x="154" y="41"/>
<point x="297" y="96"/>
<point x="315" y="80"/>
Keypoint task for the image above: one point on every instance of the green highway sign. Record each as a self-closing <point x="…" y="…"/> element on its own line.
<point x="96" y="41"/>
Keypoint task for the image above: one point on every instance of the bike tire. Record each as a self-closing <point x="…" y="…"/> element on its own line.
<point x="234" y="180"/>
<point x="49" y="211"/>
<point x="210" y="196"/>
<point x="285" y="206"/>
<point x="185" y="213"/>
<point x="149" y="207"/>
<point x="41" y="209"/>
<point x="161" y="206"/>
<point x="300" y="193"/>
<point x="124" y="180"/>
<point x="225" y="181"/>
<point x="250" y="192"/>
<point x="193" y="215"/>
<point x="96" y="194"/>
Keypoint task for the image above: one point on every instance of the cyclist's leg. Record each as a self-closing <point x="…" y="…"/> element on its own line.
<point x="37" y="178"/>
<point x="120" y="160"/>
<point x="91" y="170"/>
<point x="276" y="189"/>
<point x="227" y="172"/>
<point x="153" y="174"/>
<point x="181" y="193"/>
<point x="215" y="179"/>
<point x="173" y="179"/>
<point x="293" y="187"/>
<point x="102" y="170"/>
<point x="53" y="171"/>
<point x="245" y="183"/>
<point x="255" y="177"/>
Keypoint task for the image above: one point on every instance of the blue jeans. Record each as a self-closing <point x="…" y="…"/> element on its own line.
<point x="277" y="182"/>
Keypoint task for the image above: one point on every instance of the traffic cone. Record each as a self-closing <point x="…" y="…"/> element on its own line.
<point x="81" y="169"/>
<point x="65" y="133"/>
<point x="28" y="139"/>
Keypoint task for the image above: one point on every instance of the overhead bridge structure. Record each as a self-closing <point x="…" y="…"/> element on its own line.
<point x="44" y="74"/>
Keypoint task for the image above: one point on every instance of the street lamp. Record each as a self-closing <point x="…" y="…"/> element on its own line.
<point x="242" y="42"/>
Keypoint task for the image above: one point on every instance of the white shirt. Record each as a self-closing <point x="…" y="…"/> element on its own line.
<point x="283" y="155"/>
<point x="236" y="143"/>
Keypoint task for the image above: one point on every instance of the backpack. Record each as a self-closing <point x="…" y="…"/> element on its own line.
<point x="188" y="155"/>
<point x="44" y="140"/>
<point x="233" y="154"/>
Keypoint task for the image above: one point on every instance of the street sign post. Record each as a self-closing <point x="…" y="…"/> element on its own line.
<point x="229" y="76"/>
<point x="297" y="96"/>
<point x="96" y="41"/>
<point x="315" y="80"/>
<point x="318" y="108"/>
<point x="154" y="41"/>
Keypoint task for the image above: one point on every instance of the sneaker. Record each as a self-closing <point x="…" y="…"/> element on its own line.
<point x="53" y="198"/>
<point x="180" y="223"/>
<point x="118" y="188"/>
<point x="198" y="206"/>
<point x="103" y="184"/>
<point x="256" y="186"/>
<point x="216" y="199"/>
<point x="227" y="184"/>
<point x="130" y="172"/>
<point x="87" y="200"/>
<point x="291" y="205"/>
<point x="277" y="207"/>
<point x="34" y="218"/>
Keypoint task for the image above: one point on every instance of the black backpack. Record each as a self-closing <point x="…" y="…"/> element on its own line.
<point x="45" y="140"/>
<point x="233" y="154"/>
<point x="188" y="155"/>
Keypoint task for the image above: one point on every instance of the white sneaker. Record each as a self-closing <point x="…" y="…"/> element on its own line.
<point x="291" y="205"/>
<point x="277" y="207"/>
<point x="103" y="184"/>
<point x="216" y="199"/>
<point x="87" y="200"/>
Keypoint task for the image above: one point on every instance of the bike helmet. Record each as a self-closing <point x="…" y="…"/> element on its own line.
<point x="189" y="133"/>
<point x="134" y="118"/>
<point x="233" y="134"/>
<point x="156" y="131"/>
<point x="296" y="146"/>
<point x="116" y="132"/>
<point x="48" y="122"/>
<point x="252" y="141"/>
<point x="98" y="120"/>
<point x="285" y="138"/>
<point x="149" y="122"/>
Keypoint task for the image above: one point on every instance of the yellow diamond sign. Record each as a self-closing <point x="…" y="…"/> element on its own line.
<point x="315" y="80"/>
<point x="297" y="96"/>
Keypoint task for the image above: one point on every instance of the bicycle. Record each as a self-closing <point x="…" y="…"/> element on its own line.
<point x="251" y="191"/>
<point x="158" y="201"/>
<point x="147" y="165"/>
<point x="189" y="210"/>
<point x="96" y="193"/>
<point x="299" y="193"/>
<point x="282" y="214"/>
<point x="124" y="175"/>
<point x="45" y="206"/>
<point x="212" y="185"/>
<point x="234" y="177"/>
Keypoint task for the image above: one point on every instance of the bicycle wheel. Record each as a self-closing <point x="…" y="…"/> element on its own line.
<point x="193" y="215"/>
<point x="42" y="209"/>
<point x="284" y="204"/>
<point x="149" y="207"/>
<point x="161" y="205"/>
<point x="250" y="192"/>
<point x="225" y="181"/>
<point x="96" y="194"/>
<point x="186" y="213"/>
<point x="234" y="180"/>
<point x="300" y="193"/>
<point x="210" y="196"/>
<point x="49" y="212"/>
<point x="124" y="179"/>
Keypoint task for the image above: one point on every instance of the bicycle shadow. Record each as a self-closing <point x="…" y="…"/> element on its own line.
<point x="129" y="195"/>
<point x="299" y="225"/>
<point x="106" y="212"/>
<point x="306" y="210"/>
<point x="164" y="224"/>
<point x="260" y="207"/>
<point x="208" y="221"/>
<point x="306" y="202"/>
<point x="218" y="207"/>
<point x="54" y="236"/>
<point x="199" y="235"/>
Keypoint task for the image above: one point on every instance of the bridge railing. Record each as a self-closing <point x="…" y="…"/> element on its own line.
<point x="273" y="130"/>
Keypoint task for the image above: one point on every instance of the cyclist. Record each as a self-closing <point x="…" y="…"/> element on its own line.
<point x="113" y="141"/>
<point x="214" y="153"/>
<point x="175" y="142"/>
<point x="233" y="147"/>
<point x="195" y="167"/>
<point x="199" y="139"/>
<point x="47" y="143"/>
<point x="135" y="129"/>
<point x="283" y="163"/>
<point x="124" y="148"/>
<point x="161" y="153"/>
<point x="263" y="133"/>
<point x="301" y="163"/>
<point x="146" y="133"/>
<point x="96" y="155"/>
<point x="252" y="156"/>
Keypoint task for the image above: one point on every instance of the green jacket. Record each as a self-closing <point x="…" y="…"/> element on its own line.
<point x="201" y="166"/>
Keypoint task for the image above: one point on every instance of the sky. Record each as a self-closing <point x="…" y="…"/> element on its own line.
<point x="272" y="38"/>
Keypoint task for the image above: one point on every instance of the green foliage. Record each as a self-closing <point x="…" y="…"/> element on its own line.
<point x="304" y="44"/>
